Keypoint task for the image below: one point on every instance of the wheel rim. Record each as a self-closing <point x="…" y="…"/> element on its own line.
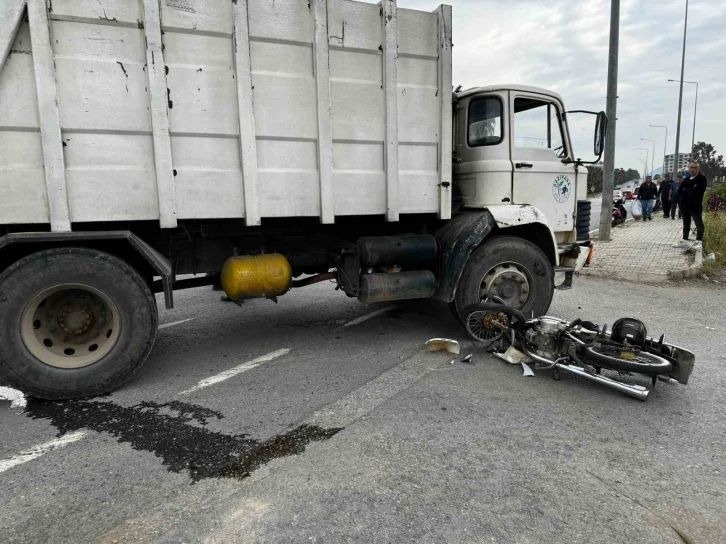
<point x="508" y="281"/>
<point x="486" y="325"/>
<point x="70" y="326"/>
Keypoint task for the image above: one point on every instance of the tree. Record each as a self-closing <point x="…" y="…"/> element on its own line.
<point x="622" y="175"/>
<point x="712" y="165"/>
<point x="594" y="179"/>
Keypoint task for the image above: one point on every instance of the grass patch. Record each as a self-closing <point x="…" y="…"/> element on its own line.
<point x="714" y="238"/>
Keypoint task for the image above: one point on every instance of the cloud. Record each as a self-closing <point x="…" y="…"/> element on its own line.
<point x="563" y="45"/>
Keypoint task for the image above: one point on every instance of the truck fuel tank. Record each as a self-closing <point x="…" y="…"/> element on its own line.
<point x="254" y="276"/>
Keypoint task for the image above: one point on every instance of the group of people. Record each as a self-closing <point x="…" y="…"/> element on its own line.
<point x="683" y="195"/>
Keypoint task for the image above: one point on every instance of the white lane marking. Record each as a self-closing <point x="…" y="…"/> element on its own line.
<point x="244" y="367"/>
<point x="38" y="451"/>
<point x="366" y="317"/>
<point x="16" y="398"/>
<point x="165" y="325"/>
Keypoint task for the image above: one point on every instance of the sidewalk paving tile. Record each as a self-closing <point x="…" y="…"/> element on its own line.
<point x="641" y="251"/>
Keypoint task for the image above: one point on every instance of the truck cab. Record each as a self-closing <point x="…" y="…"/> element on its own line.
<point x="512" y="147"/>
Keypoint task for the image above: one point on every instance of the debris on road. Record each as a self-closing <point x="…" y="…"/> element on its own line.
<point x="527" y="371"/>
<point x="468" y="359"/>
<point x="440" y="344"/>
<point x="513" y="356"/>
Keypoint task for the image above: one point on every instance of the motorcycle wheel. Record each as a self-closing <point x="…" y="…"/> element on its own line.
<point x="484" y="321"/>
<point x="611" y="356"/>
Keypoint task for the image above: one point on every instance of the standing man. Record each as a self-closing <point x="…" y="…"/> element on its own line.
<point x="664" y="192"/>
<point x="675" y="199"/>
<point x="646" y="194"/>
<point x="691" y="192"/>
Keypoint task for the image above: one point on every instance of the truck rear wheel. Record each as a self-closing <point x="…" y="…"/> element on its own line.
<point x="513" y="269"/>
<point x="74" y="322"/>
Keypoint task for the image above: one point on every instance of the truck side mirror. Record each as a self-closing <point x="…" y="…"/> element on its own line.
<point x="601" y="127"/>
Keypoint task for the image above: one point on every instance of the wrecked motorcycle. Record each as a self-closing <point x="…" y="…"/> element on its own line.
<point x="579" y="347"/>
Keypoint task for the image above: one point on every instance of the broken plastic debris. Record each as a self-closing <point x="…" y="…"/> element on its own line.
<point x="711" y="257"/>
<point x="467" y="359"/>
<point x="439" y="344"/>
<point x="513" y="356"/>
<point x="527" y="370"/>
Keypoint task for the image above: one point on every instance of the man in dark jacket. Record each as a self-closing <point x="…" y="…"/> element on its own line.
<point x="646" y="194"/>
<point x="691" y="194"/>
<point x="664" y="192"/>
<point x="675" y="201"/>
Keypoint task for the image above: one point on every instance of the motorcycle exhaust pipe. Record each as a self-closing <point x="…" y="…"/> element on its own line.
<point x="636" y="391"/>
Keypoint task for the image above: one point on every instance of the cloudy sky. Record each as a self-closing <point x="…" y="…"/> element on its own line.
<point x="563" y="45"/>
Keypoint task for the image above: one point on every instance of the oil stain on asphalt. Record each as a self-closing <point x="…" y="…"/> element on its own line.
<point x="172" y="432"/>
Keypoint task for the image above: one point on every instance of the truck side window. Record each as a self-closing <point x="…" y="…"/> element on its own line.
<point x="537" y="124"/>
<point x="485" y="122"/>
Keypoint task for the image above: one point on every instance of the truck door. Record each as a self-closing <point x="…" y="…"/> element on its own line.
<point x="482" y="165"/>
<point x="538" y="144"/>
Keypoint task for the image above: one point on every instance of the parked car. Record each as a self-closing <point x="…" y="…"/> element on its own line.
<point x="617" y="195"/>
<point x="629" y="195"/>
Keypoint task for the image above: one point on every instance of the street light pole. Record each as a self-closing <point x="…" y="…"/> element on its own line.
<point x="647" y="151"/>
<point x="652" y="157"/>
<point x="695" y="110"/>
<point x="611" y="111"/>
<point x="665" y="144"/>
<point x="680" y="93"/>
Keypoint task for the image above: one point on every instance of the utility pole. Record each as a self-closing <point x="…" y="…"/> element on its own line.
<point x="608" y="174"/>
<point x="680" y="95"/>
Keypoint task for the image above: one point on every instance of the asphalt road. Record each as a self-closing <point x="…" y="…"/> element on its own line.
<point x="322" y="420"/>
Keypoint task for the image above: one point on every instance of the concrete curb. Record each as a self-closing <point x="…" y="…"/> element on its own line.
<point x="689" y="272"/>
<point x="647" y="277"/>
<point x="623" y="275"/>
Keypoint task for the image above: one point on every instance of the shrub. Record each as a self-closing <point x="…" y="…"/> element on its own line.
<point x="714" y="238"/>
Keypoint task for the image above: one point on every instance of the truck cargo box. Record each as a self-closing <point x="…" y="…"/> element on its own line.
<point x="167" y="110"/>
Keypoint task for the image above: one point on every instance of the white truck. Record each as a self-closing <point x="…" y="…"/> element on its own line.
<point x="250" y="142"/>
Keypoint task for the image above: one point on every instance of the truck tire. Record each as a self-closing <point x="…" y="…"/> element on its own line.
<point x="515" y="270"/>
<point x="74" y="322"/>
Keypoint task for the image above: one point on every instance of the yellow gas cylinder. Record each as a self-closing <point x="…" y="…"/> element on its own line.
<point x="251" y="276"/>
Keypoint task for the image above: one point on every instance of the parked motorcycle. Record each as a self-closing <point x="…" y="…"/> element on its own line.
<point x="620" y="214"/>
<point x="579" y="347"/>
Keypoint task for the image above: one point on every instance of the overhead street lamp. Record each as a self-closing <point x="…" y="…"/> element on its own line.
<point x="645" y="170"/>
<point x="665" y="144"/>
<point x="652" y="157"/>
<point x="695" y="109"/>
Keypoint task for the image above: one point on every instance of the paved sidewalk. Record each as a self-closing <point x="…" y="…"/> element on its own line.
<point x="643" y="251"/>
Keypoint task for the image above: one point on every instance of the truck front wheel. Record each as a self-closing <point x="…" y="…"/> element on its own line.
<point x="74" y="322"/>
<point x="513" y="269"/>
